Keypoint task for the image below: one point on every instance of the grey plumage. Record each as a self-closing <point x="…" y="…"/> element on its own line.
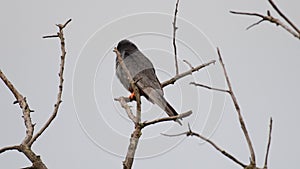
<point x="141" y="69"/>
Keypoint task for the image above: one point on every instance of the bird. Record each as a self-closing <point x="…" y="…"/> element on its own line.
<point x="143" y="74"/>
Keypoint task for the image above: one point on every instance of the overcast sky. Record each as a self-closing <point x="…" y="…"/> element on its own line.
<point x="92" y="131"/>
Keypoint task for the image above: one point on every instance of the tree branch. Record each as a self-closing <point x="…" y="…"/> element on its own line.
<point x="171" y="118"/>
<point x="23" y="105"/>
<point x="134" y="139"/>
<point x="283" y="16"/>
<point x="208" y="87"/>
<point x="189" y="72"/>
<point x="238" y="110"/>
<point x="123" y="101"/>
<point x="174" y="37"/>
<point x="191" y="133"/>
<point x="127" y="163"/>
<point x="25" y="146"/>
<point x="272" y="19"/>
<point x="269" y="144"/>
<point x="60" y="34"/>
<point x="14" y="147"/>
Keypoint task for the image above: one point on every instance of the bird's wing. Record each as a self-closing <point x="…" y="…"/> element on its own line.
<point x="150" y="87"/>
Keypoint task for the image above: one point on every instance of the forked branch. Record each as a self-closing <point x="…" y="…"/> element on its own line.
<point x="225" y="153"/>
<point x="25" y="146"/>
<point x="60" y="35"/>
<point x="290" y="26"/>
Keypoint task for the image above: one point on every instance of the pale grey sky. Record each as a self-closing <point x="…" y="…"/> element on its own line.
<point x="91" y="130"/>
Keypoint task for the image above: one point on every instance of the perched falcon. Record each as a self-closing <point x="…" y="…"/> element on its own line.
<point x="142" y="71"/>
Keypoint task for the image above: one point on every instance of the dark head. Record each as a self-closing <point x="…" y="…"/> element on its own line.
<point x="126" y="46"/>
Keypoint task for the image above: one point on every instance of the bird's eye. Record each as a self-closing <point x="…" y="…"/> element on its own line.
<point x="126" y="54"/>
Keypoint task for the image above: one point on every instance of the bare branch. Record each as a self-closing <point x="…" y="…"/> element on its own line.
<point x="238" y="110"/>
<point x="174" y="37"/>
<point x="134" y="139"/>
<point x="210" y="88"/>
<point x="191" y="133"/>
<point x="34" y="158"/>
<point x="283" y="16"/>
<point x="179" y="116"/>
<point x="123" y="101"/>
<point x="64" y="25"/>
<point x="25" y="146"/>
<point x="60" y="34"/>
<point x="50" y="36"/>
<point x="254" y="24"/>
<point x="23" y="105"/>
<point x="269" y="18"/>
<point x="269" y="144"/>
<point x="189" y="72"/>
<point x="14" y="147"/>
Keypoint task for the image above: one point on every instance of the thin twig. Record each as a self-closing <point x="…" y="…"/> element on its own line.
<point x="255" y="24"/>
<point x="191" y="133"/>
<point x="210" y="88"/>
<point x="64" y="25"/>
<point x="238" y="110"/>
<point x="61" y="80"/>
<point x="269" y="144"/>
<point x="50" y="36"/>
<point x="179" y="116"/>
<point x="284" y="17"/>
<point x="123" y="102"/>
<point x="14" y="147"/>
<point x="174" y="37"/>
<point x="189" y="64"/>
<point x="189" y="72"/>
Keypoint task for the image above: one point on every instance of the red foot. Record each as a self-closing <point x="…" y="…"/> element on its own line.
<point x="131" y="96"/>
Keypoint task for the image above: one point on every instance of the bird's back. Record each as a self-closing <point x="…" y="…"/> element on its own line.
<point x="141" y="69"/>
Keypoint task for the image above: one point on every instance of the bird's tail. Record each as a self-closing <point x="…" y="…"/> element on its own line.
<point x="163" y="104"/>
<point x="171" y="112"/>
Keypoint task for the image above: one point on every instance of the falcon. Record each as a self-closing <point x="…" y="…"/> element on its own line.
<point x="143" y="73"/>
